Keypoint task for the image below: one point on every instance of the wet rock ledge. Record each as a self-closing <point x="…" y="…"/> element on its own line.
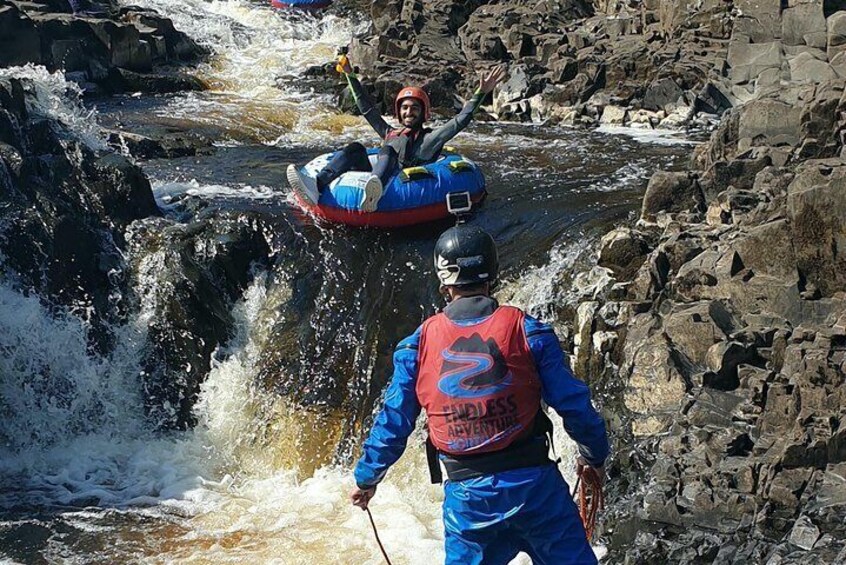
<point x="103" y="47"/>
<point x="80" y="229"/>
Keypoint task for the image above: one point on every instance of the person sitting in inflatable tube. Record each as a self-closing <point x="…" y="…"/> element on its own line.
<point x="409" y="145"/>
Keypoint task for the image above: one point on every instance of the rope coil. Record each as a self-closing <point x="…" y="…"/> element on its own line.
<point x="591" y="498"/>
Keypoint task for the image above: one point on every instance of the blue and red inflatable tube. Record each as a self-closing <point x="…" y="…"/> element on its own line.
<point x="414" y="196"/>
<point x="301" y="4"/>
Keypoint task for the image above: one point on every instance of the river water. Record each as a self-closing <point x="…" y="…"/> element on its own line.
<point x="84" y="478"/>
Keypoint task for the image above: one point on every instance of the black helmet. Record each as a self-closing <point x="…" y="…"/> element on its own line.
<point x="466" y="255"/>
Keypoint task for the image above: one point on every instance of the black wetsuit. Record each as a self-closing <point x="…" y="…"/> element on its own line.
<point x="401" y="147"/>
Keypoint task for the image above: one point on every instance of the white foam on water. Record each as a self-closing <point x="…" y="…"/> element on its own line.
<point x="73" y="430"/>
<point x="52" y="96"/>
<point x="630" y="175"/>
<point x="169" y="194"/>
<point x="540" y="290"/>
<point x="646" y="135"/>
<point x="52" y="384"/>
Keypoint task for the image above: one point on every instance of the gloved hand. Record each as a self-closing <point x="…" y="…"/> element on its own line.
<point x="343" y="66"/>
<point x="361" y="497"/>
<point x="583" y="466"/>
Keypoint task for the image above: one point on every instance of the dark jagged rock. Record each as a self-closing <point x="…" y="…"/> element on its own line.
<point x="188" y="276"/>
<point x="65" y="209"/>
<point x="114" y="48"/>
<point x="623" y="251"/>
<point x="166" y="146"/>
<point x="671" y="192"/>
<point x="67" y="213"/>
<point x="123" y="80"/>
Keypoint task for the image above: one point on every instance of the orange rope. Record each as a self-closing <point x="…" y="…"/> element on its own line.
<point x="591" y="498"/>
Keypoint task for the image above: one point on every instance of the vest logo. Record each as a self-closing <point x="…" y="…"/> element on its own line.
<point x="472" y="368"/>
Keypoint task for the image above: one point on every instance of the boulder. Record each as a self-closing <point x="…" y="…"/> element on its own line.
<point x="821" y="123"/>
<point x="661" y="94"/>
<point x="671" y="192"/>
<point x="803" y="23"/>
<point x="737" y="173"/>
<point x="123" y="192"/>
<point x="694" y="328"/>
<point x="712" y="99"/>
<point x="758" y="20"/>
<point x="655" y="385"/>
<point x="750" y="60"/>
<point x="19" y="40"/>
<point x="816" y="207"/>
<point x="804" y="533"/>
<point x="545" y="108"/>
<point x="836" y="32"/>
<point x="623" y="250"/>
<point x="563" y="69"/>
<point x="91" y="46"/>
<point x="722" y="360"/>
<point x="769" y="122"/>
<point x="805" y="69"/>
<point x="121" y="80"/>
<point x="768" y="249"/>
<point x="613" y="116"/>
<point x="583" y="325"/>
<point x="515" y="88"/>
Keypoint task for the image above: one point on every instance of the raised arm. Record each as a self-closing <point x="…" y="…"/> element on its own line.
<point x="439" y="136"/>
<point x="365" y="105"/>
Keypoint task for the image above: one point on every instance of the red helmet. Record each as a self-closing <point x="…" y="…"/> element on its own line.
<point x="417" y="94"/>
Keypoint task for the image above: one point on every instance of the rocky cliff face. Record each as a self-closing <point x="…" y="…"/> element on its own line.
<point x="726" y="340"/>
<point x="726" y="347"/>
<point x="651" y="63"/>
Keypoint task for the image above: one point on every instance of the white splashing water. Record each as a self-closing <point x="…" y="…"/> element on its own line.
<point x="52" y="386"/>
<point x="646" y="135"/>
<point x="51" y="96"/>
<point x="169" y="194"/>
<point x="259" y="57"/>
<point x="541" y="290"/>
<point x="229" y="497"/>
<point x="73" y="430"/>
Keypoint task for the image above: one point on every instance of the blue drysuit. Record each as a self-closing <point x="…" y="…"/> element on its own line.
<point x="489" y="519"/>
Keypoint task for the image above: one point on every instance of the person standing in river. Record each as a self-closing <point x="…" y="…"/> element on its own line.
<point x="480" y="371"/>
<point x="409" y="145"/>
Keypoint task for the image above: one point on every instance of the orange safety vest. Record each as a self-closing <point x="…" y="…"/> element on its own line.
<point x="478" y="383"/>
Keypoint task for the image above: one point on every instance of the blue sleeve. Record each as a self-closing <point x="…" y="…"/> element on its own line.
<point x="566" y="394"/>
<point x="396" y="421"/>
